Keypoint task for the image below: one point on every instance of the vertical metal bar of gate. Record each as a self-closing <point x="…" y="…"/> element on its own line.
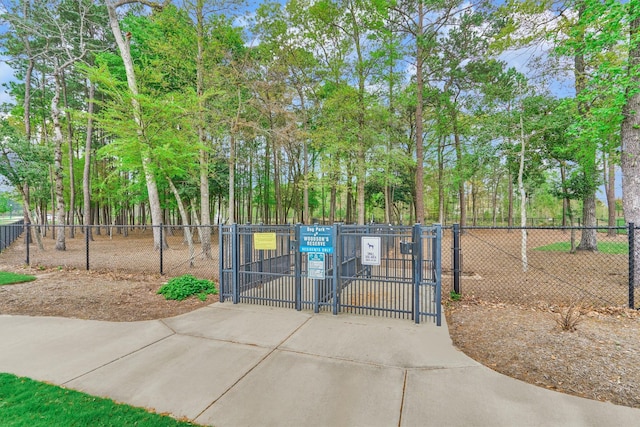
<point x="235" y="264"/>
<point x="295" y="246"/>
<point x="221" y="259"/>
<point x="417" y="270"/>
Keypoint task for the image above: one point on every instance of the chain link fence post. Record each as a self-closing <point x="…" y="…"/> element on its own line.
<point x="631" y="234"/>
<point x="161" y="251"/>
<point x="27" y="240"/>
<point x="86" y="243"/>
<point x="456" y="258"/>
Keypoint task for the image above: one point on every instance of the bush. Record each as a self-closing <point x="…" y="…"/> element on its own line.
<point x="569" y="317"/>
<point x="182" y="287"/>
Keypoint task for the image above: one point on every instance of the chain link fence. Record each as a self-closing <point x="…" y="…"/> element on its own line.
<point x="544" y="265"/>
<point x="487" y="263"/>
<point x="118" y="249"/>
<point x="9" y="233"/>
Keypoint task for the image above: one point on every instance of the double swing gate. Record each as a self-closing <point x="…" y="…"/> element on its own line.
<point x="392" y="271"/>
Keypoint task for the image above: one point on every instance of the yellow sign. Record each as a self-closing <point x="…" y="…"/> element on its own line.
<point x="264" y="241"/>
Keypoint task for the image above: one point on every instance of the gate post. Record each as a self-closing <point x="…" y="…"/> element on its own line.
<point x="632" y="240"/>
<point x="417" y="270"/>
<point x="221" y="255"/>
<point x="337" y="249"/>
<point x="235" y="264"/>
<point x="456" y="258"/>
<point x="297" y="256"/>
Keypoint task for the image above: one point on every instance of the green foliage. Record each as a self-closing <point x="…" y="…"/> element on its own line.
<point x="455" y="296"/>
<point x="8" y="278"/>
<point x="24" y="402"/>
<point x="182" y="287"/>
<point x="21" y="161"/>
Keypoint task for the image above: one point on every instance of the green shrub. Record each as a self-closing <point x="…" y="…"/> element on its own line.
<point x="182" y="287"/>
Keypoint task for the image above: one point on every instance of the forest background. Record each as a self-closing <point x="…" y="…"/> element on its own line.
<point x="396" y="111"/>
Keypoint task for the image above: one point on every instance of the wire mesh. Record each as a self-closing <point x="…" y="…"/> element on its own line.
<point x="120" y="249"/>
<point x="543" y="265"/>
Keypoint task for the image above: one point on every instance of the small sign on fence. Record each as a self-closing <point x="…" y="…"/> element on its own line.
<point x="315" y="265"/>
<point x="264" y="241"/>
<point x="370" y="250"/>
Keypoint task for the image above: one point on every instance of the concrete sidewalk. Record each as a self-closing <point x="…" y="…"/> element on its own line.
<point x="241" y="365"/>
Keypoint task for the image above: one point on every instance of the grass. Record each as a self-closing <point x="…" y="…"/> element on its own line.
<point x="603" y="247"/>
<point x="8" y="278"/>
<point x="25" y="402"/>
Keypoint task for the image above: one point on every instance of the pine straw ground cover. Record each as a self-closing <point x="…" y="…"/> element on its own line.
<point x="599" y="360"/>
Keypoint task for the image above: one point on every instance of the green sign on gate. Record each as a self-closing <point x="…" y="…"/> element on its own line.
<point x="316" y="238"/>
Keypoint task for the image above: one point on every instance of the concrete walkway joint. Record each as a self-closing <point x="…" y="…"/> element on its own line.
<point x="242" y="365"/>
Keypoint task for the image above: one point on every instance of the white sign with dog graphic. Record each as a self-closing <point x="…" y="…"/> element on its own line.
<point x="370" y="250"/>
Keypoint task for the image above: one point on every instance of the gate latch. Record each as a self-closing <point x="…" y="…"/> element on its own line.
<point x="406" y="248"/>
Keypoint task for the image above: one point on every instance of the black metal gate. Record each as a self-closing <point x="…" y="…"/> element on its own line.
<point x="382" y="270"/>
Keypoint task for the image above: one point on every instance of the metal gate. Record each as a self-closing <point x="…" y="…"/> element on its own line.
<point x="391" y="271"/>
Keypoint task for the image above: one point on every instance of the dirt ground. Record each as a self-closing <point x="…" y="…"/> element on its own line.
<point x="93" y="295"/>
<point x="599" y="360"/>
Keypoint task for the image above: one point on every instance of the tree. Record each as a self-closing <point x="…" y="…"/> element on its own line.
<point x="123" y="43"/>
<point x="21" y="165"/>
<point x="630" y="130"/>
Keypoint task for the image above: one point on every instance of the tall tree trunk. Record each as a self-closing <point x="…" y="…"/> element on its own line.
<point x="145" y="155"/>
<point x="72" y="179"/>
<point x="349" y="210"/>
<point x="441" y="205"/>
<point x="232" y="180"/>
<point x="57" y="165"/>
<point x="630" y="135"/>
<point x="250" y="189"/>
<point x="510" y="206"/>
<point x="30" y="220"/>
<point x="588" y="241"/>
<point x="333" y="198"/>
<point x="460" y="172"/>
<point x="494" y="200"/>
<point x="86" y="175"/>
<point x="388" y="191"/>
<point x="203" y="155"/>
<point x="24" y="190"/>
<point x="610" y="180"/>
<point x="185" y="220"/>
<point x="276" y="183"/>
<point x="523" y="200"/>
<point x="419" y="184"/>
<point x="306" y="212"/>
<point x="474" y="203"/>
<point x="266" y="180"/>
